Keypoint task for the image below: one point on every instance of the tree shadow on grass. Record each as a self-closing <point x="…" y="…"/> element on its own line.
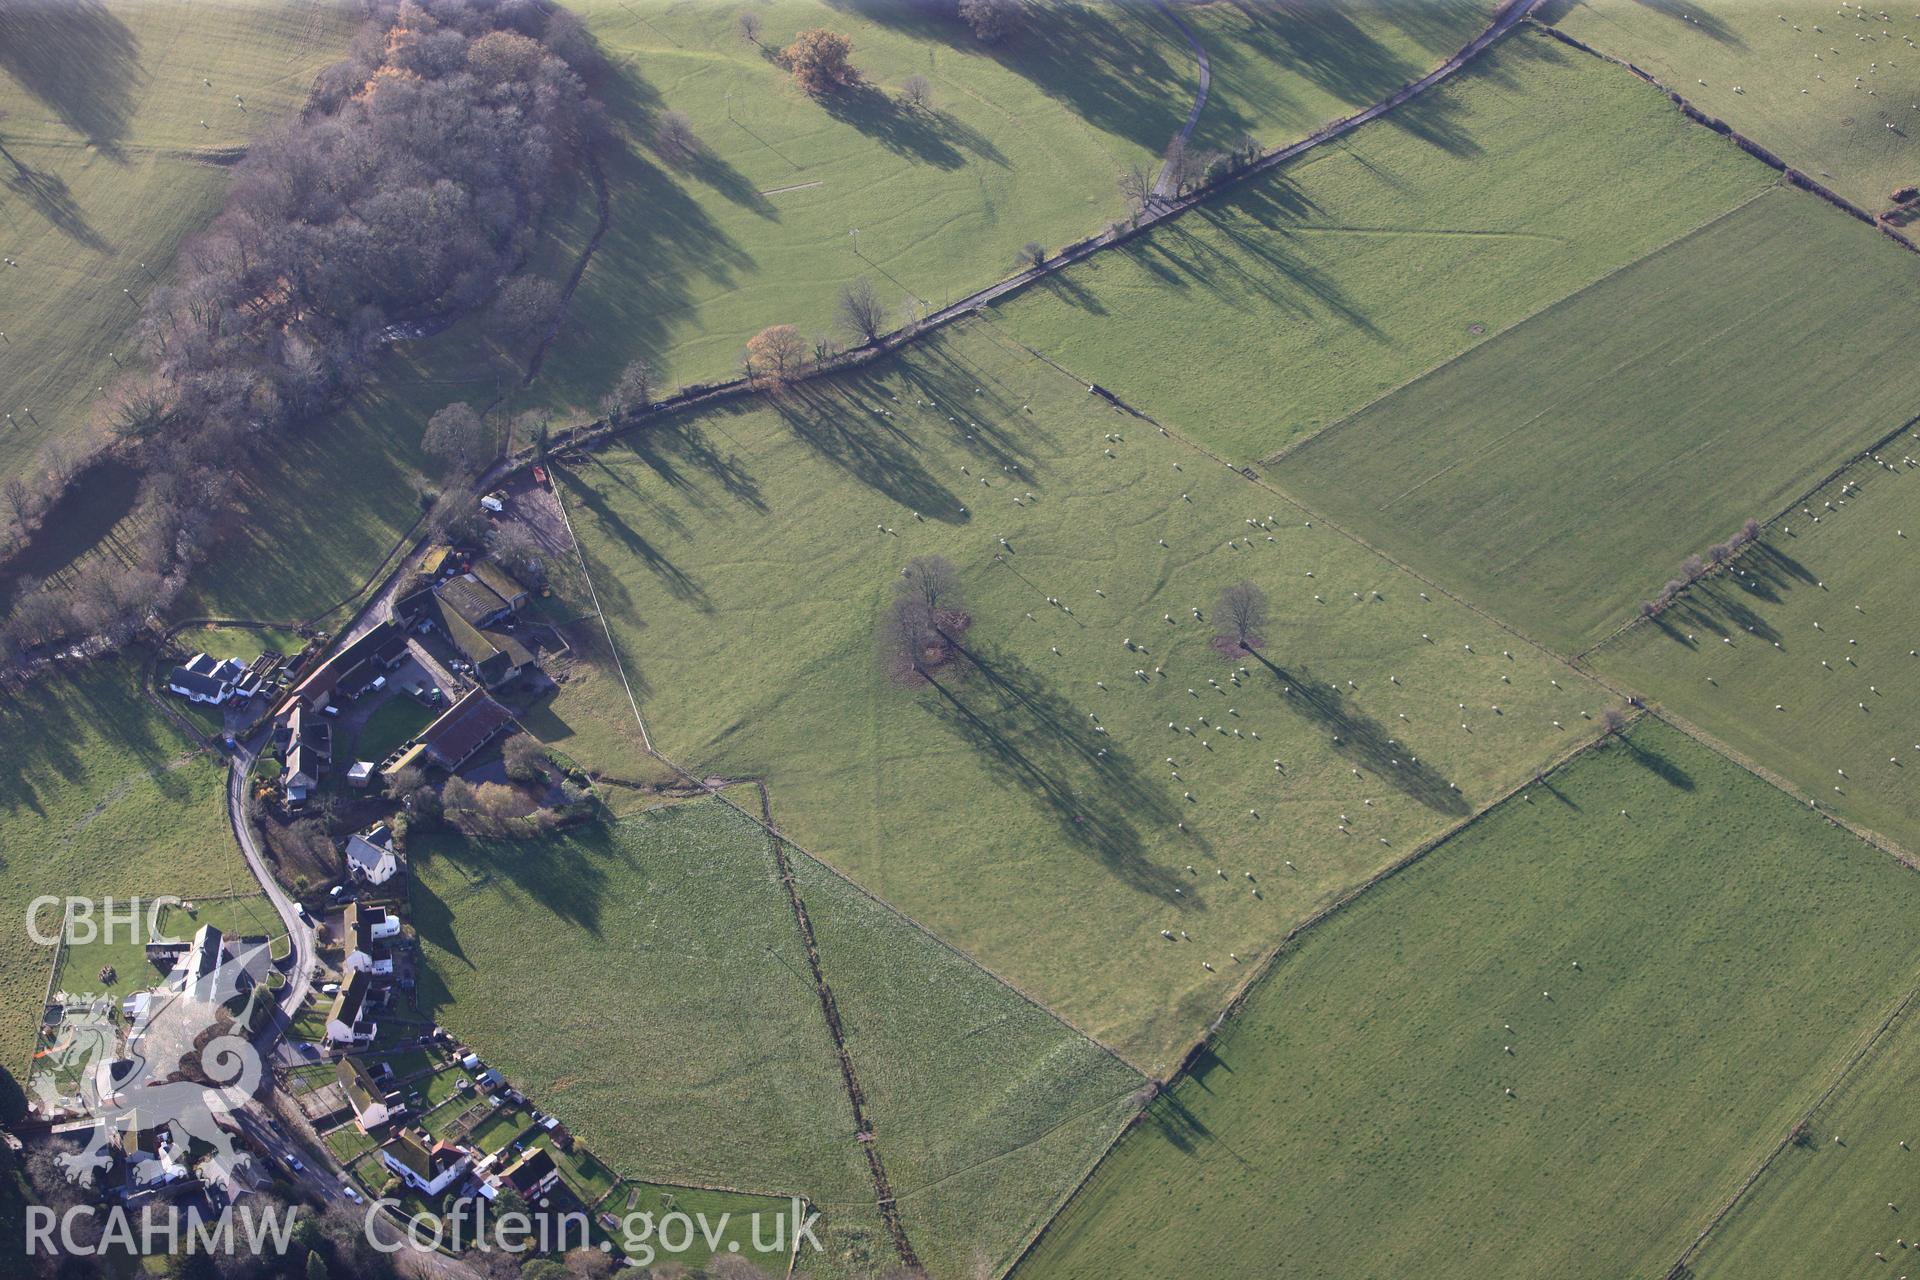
<point x="1697" y="18"/>
<point x="681" y="450"/>
<point x="868" y="447"/>
<point x="981" y="402"/>
<point x="564" y="876"/>
<point x="1120" y="68"/>
<point x="47" y="192"/>
<point x="660" y="242"/>
<point x="79" y="60"/>
<point x="923" y="134"/>
<point x="1064" y="288"/>
<point x="1177" y="1123"/>
<point x="1033" y="740"/>
<point x="684" y="586"/>
<point x="1362" y="740"/>
<point x="1660" y="766"/>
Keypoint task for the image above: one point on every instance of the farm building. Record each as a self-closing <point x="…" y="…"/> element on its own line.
<point x="474" y="600"/>
<point x="497" y="657"/>
<point x="463" y="729"/>
<point x="381" y="649"/>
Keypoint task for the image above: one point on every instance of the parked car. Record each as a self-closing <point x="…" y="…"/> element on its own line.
<point x="330" y="989"/>
<point x="293" y="1163"/>
<point x="350" y="1194"/>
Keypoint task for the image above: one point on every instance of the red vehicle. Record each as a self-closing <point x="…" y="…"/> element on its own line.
<point x="540" y="476"/>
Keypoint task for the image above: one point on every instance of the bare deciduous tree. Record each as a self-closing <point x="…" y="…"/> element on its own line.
<point x="990" y="20"/>
<point x="524" y="757"/>
<point x="920" y="630"/>
<point x="934" y="582"/>
<point x="457" y="434"/>
<point x="674" y="135"/>
<point x="632" y="391"/>
<point x="1241" y="614"/>
<point x="1032" y="253"/>
<point x="860" y="311"/>
<point x="1136" y="186"/>
<point x="747" y="26"/>
<point x="917" y="91"/>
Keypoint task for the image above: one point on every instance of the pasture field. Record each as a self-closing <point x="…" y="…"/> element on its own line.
<point x="1021" y="809"/>
<point x="1295" y="299"/>
<point x="108" y="167"/>
<point x="987" y="1108"/>
<point x="1822" y="1208"/>
<point x="1024" y="141"/>
<point x="1554" y="1046"/>
<point x="659" y="1201"/>
<point x="1822" y="623"/>
<point x="1817" y="84"/>
<point x="649" y="945"/>
<point x="1282" y="71"/>
<point x="1560" y="473"/>
<point x="99" y="795"/>
<point x="674" y="943"/>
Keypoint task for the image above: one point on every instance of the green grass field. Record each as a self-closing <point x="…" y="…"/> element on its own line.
<point x="673" y="942"/>
<point x="108" y="167"/>
<point x="1024" y="142"/>
<point x="1559" y="474"/>
<point x="986" y="1108"/>
<point x="99" y="796"/>
<point x="1836" y="598"/>
<point x="1281" y="71"/>
<point x="630" y="1202"/>
<point x="1661" y="957"/>
<point x="1822" y="1208"/>
<point x="646" y="945"/>
<point x="1291" y="302"/>
<point x="1783" y="75"/>
<point x="741" y="560"/>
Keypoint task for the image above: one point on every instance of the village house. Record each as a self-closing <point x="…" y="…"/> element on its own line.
<point x="215" y="968"/>
<point x="370" y="855"/>
<point x="366" y="928"/>
<point x="372" y="1105"/>
<point x="152" y="1159"/>
<point x="202" y="678"/>
<point x="532" y="1176"/>
<point x="428" y="1169"/>
<point x="345" y="1025"/>
<point x="308" y="751"/>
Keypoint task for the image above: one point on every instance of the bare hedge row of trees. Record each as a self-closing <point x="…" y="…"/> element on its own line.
<point x="405" y="194"/>
<point x="1695" y="567"/>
